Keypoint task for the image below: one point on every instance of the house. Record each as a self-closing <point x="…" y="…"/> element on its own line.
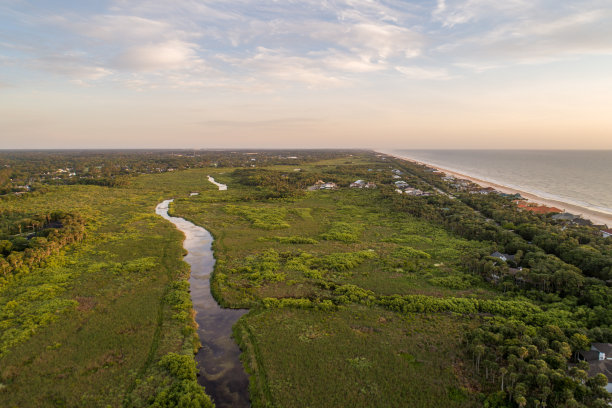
<point x="599" y="358"/>
<point x="413" y="191"/>
<point x="396" y="172"/>
<point x="564" y="216"/>
<point x="503" y="257"/>
<point x="395" y="176"/>
<point x="358" y="184"/>
<point x="606" y="232"/>
<point x="317" y="186"/>
<point x="329" y="186"/>
<point x="516" y="196"/>
<point x="582" y="221"/>
<point x="484" y="191"/>
<point x="370" y="185"/>
<point x="603" y="348"/>
<point x="401" y="184"/>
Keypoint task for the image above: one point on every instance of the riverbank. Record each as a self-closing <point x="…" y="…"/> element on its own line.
<point x="218" y="360"/>
<point x="597" y="217"/>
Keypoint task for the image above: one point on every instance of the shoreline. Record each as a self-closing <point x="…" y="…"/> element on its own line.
<point x="597" y="217"/>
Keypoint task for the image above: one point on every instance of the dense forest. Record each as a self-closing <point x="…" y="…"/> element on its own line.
<point x="357" y="296"/>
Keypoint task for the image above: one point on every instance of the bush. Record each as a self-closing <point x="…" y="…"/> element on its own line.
<point x="343" y="231"/>
<point x="184" y="391"/>
<point x="262" y="217"/>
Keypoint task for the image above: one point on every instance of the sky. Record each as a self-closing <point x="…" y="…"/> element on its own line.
<point x="302" y="74"/>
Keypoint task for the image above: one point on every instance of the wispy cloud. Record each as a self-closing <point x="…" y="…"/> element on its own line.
<point x="161" y="56"/>
<point x="424" y="73"/>
<point x="271" y="44"/>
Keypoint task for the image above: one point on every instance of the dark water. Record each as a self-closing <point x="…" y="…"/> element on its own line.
<point x="221" y="371"/>
<point x="580" y="177"/>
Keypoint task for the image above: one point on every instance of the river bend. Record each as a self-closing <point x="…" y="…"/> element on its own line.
<point x="220" y="369"/>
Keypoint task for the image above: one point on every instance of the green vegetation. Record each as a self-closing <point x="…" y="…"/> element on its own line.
<point x="263" y="218"/>
<point x="343" y="231"/>
<point x="358" y="297"/>
<point x="98" y="299"/>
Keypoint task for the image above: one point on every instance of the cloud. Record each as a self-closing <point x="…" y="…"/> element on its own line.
<point x="162" y="56"/>
<point x="413" y="72"/>
<point x="456" y="12"/>
<point x="268" y="44"/>
<point x="535" y="39"/>
<point x="127" y="29"/>
<point x="278" y="64"/>
<point x="74" y="66"/>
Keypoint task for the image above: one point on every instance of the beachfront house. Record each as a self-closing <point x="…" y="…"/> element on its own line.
<point x="483" y="191"/>
<point x="599" y="358"/>
<point x="606" y="232"/>
<point x="564" y="216"/>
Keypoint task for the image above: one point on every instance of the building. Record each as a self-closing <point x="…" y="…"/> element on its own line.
<point x="564" y="216"/>
<point x="606" y="232"/>
<point x="370" y="185"/>
<point x="329" y="186"/>
<point x="599" y="358"/>
<point x="503" y="257"/>
<point x="358" y="184"/>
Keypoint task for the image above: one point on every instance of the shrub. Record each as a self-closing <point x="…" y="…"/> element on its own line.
<point x="262" y="217"/>
<point x="342" y="261"/>
<point x="343" y="231"/>
<point x="184" y="391"/>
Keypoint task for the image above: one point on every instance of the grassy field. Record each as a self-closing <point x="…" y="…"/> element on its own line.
<point x="311" y="268"/>
<point x="90" y="325"/>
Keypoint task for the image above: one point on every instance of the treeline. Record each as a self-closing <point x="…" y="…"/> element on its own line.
<point x="523" y="365"/>
<point x="581" y="246"/>
<point x="51" y="232"/>
<point x="275" y="184"/>
<point x="563" y="267"/>
<point x="28" y="170"/>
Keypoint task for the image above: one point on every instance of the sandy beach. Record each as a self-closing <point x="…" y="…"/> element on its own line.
<point x="597" y="217"/>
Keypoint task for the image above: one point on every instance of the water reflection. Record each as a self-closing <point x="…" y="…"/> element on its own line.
<point x="221" y="371"/>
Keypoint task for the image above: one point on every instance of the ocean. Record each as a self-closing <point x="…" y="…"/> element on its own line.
<point x="579" y="177"/>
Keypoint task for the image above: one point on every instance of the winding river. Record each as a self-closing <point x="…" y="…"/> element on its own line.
<point x="220" y="369"/>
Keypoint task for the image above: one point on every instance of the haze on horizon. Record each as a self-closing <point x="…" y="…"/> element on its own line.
<point x="335" y="73"/>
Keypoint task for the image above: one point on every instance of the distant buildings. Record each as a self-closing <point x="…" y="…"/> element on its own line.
<point x="402" y="187"/>
<point x="537" y="208"/>
<point x="606" y="232"/>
